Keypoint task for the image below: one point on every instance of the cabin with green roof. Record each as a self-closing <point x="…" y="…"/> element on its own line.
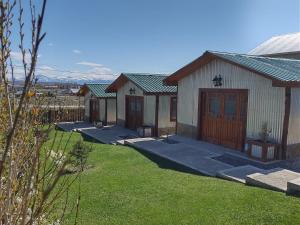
<point x="243" y="102"/>
<point x="144" y="101"/>
<point x="99" y="105"/>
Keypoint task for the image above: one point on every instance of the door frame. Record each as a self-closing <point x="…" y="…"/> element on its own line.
<point x="221" y="90"/>
<point x="127" y="97"/>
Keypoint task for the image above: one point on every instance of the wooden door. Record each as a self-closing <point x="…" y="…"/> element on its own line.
<point x="223" y="116"/>
<point x="94" y="110"/>
<point x="134" y="112"/>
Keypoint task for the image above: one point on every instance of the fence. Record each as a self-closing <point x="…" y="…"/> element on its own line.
<point x="64" y="115"/>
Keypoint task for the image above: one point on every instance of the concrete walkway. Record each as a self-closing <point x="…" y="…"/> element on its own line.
<point x="70" y="126"/>
<point x="188" y="156"/>
<point x="109" y="134"/>
<point x="201" y="157"/>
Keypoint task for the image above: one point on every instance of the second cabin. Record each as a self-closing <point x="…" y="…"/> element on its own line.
<point x="144" y="101"/>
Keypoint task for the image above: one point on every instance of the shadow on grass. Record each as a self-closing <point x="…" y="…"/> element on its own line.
<point x="168" y="164"/>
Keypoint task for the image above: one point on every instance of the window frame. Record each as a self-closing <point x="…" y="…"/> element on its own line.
<point x="172" y="108"/>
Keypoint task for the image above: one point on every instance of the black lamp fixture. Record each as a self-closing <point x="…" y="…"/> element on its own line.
<point x="132" y="91"/>
<point x="217" y="81"/>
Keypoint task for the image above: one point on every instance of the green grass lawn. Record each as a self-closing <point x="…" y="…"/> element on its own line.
<point x="125" y="187"/>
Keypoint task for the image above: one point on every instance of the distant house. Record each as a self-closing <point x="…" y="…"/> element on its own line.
<point x="73" y="91"/>
<point x="99" y="105"/>
<point x="143" y="100"/>
<point x="284" y="46"/>
<point x="227" y="99"/>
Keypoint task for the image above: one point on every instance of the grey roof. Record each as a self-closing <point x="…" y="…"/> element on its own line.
<point x="278" y="68"/>
<point x="287" y="43"/>
<point x="98" y="90"/>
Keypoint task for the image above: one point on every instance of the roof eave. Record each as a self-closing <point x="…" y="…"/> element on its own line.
<point x="295" y="84"/>
<point x="160" y="93"/>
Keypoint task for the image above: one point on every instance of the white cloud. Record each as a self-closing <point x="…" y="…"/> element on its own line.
<point x="90" y="64"/>
<point x="17" y="56"/>
<point x="76" y="51"/>
<point x="50" y="44"/>
<point x="93" y="72"/>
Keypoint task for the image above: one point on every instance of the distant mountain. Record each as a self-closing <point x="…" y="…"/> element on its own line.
<point x="45" y="79"/>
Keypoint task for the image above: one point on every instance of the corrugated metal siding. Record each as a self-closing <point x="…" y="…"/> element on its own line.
<point x="164" y="113"/>
<point x="265" y="103"/>
<point x="149" y="110"/>
<point x="102" y="109"/>
<point x="294" y="126"/>
<point x="87" y="105"/>
<point x="111" y="110"/>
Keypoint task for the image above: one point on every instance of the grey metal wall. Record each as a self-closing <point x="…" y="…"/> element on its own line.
<point x="294" y="125"/>
<point x="265" y="103"/>
<point x="164" y="112"/>
<point x="111" y="110"/>
<point x="87" y="105"/>
<point x="102" y="109"/>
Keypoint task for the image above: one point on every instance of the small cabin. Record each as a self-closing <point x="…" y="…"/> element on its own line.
<point x="235" y="100"/>
<point x="144" y="101"/>
<point x="99" y="105"/>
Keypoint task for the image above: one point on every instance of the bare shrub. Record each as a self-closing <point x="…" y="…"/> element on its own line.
<point x="32" y="177"/>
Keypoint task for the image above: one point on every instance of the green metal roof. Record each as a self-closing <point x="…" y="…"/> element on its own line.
<point x="150" y="83"/>
<point x="98" y="90"/>
<point x="277" y="68"/>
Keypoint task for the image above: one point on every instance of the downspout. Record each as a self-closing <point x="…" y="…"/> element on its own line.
<point x="286" y="120"/>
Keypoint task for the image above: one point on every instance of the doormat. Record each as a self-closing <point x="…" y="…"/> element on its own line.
<point x="170" y="141"/>
<point x="127" y="136"/>
<point x="237" y="161"/>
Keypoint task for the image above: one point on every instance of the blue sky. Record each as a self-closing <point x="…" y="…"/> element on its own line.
<point x="157" y="35"/>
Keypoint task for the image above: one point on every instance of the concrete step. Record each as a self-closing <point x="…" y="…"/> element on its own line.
<point x="276" y="179"/>
<point x="238" y="173"/>
<point x="293" y="187"/>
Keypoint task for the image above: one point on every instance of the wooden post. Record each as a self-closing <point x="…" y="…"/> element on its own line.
<point x="285" y="129"/>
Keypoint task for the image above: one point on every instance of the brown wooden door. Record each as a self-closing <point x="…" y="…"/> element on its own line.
<point x="134" y="111"/>
<point x="223" y="116"/>
<point x="94" y="110"/>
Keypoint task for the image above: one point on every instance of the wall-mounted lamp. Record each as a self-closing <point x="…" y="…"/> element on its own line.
<point x="132" y="91"/>
<point x="217" y="81"/>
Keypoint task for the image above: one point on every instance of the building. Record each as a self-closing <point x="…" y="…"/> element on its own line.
<point x="143" y="100"/>
<point x="99" y="105"/>
<point x="226" y="99"/>
<point x="283" y="46"/>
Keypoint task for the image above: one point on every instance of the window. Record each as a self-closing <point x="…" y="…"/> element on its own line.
<point x="173" y="108"/>
<point x="214" y="106"/>
<point x="230" y="106"/>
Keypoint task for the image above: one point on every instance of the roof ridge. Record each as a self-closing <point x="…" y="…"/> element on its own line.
<point x="254" y="56"/>
<point x="146" y="74"/>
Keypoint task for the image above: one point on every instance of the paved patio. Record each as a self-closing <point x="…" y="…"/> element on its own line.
<point x="70" y="126"/>
<point x="108" y="134"/>
<point x="214" y="160"/>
